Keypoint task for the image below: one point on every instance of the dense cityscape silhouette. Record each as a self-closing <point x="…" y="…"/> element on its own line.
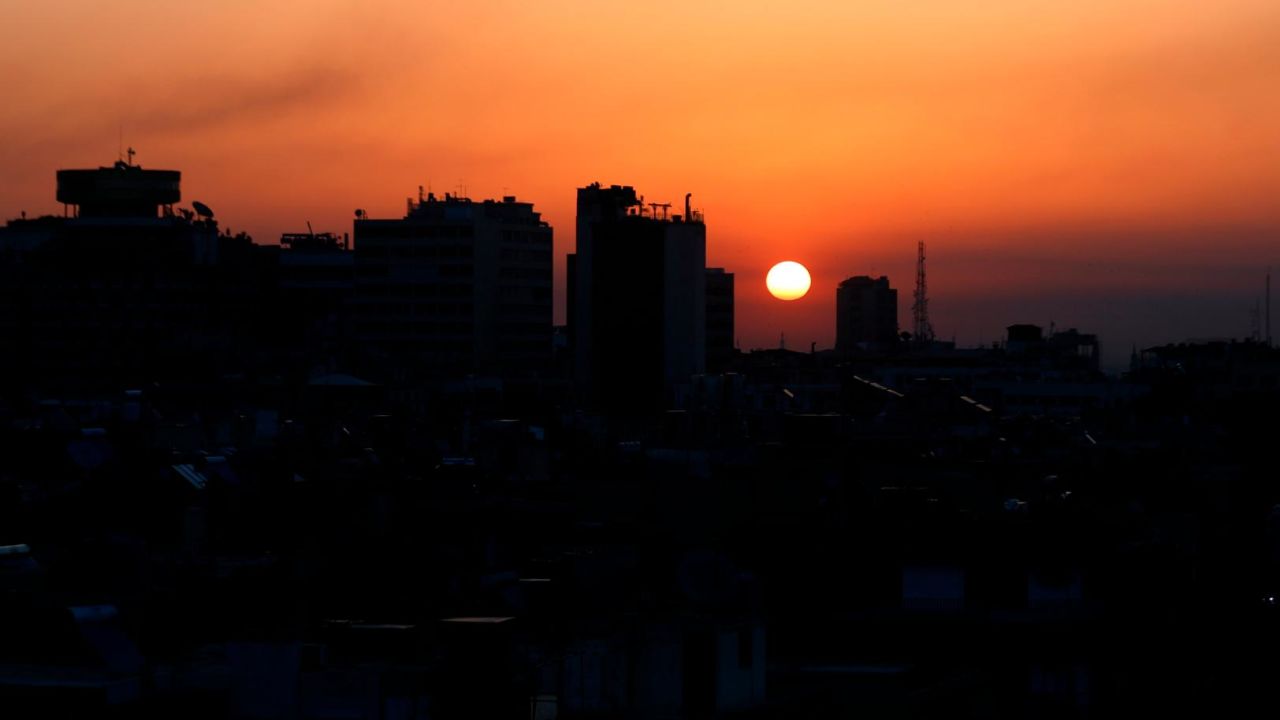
<point x="361" y="474"/>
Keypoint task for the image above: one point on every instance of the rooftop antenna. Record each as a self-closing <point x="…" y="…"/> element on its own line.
<point x="922" y="329"/>
<point x="131" y="152"/>
<point x="311" y="232"/>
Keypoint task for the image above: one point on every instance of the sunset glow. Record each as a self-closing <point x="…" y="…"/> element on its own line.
<point x="788" y="280"/>
<point x="1059" y="158"/>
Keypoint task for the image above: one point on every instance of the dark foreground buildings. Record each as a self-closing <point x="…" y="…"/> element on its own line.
<point x="224" y="517"/>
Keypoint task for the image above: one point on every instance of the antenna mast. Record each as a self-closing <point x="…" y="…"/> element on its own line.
<point x="922" y="330"/>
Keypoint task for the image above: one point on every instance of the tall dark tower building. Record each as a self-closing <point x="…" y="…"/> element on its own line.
<point x="719" y="320"/>
<point x="456" y="287"/>
<point x="637" y="315"/>
<point x="866" y="314"/>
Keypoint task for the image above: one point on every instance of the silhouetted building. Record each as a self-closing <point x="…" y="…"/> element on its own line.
<point x="122" y="190"/>
<point x="719" y="319"/>
<point x="638" y="300"/>
<point x="1022" y="336"/>
<point x="124" y="284"/>
<point x="456" y="286"/>
<point x="1082" y="347"/>
<point x="316" y="281"/>
<point x="866" y="314"/>
<point x="1064" y="350"/>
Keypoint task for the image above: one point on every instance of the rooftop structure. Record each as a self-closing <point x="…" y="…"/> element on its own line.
<point x="120" y="190"/>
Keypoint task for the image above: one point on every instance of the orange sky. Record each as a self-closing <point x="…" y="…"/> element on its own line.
<point x="1101" y="164"/>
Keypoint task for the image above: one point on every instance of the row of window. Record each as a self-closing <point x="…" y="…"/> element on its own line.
<point x="406" y="309"/>
<point x="511" y="292"/>
<point x="518" y="236"/>
<point x="413" y="250"/>
<point x="401" y="291"/>
<point x="446" y="271"/>
<point x="525" y="347"/>
<point x="367" y="232"/>
<point x="524" y="328"/>
<point x="376" y="329"/>
<point x="541" y="311"/>
<point x="531" y="273"/>
<point x="510" y="255"/>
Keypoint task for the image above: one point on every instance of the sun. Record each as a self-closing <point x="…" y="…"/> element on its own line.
<point x="788" y="280"/>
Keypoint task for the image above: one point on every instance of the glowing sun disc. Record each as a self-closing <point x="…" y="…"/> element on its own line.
<point x="788" y="280"/>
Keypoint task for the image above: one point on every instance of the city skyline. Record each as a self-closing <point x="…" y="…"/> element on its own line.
<point x="580" y="359"/>
<point x="1095" y="167"/>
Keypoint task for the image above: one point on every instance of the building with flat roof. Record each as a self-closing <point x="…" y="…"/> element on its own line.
<point x="720" y="326"/>
<point x="866" y="314"/>
<point x="456" y="286"/>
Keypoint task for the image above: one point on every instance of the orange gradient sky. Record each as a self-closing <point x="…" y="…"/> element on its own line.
<point x="1112" y="166"/>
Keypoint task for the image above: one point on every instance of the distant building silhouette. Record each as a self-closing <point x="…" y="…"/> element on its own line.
<point x="1068" y="349"/>
<point x="866" y="314"/>
<point x="637" y="298"/>
<point x="1022" y="336"/>
<point x="456" y="286"/>
<point x="719" y="320"/>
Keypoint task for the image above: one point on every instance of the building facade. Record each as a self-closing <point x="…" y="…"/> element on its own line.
<point x="637" y="298"/>
<point x="315" y="285"/>
<point x="124" y="286"/>
<point x="866" y="314"/>
<point x="456" y="287"/>
<point x="720" y="332"/>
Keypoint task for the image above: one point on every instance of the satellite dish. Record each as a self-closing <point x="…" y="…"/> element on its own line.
<point x="201" y="209"/>
<point x="359" y="213"/>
